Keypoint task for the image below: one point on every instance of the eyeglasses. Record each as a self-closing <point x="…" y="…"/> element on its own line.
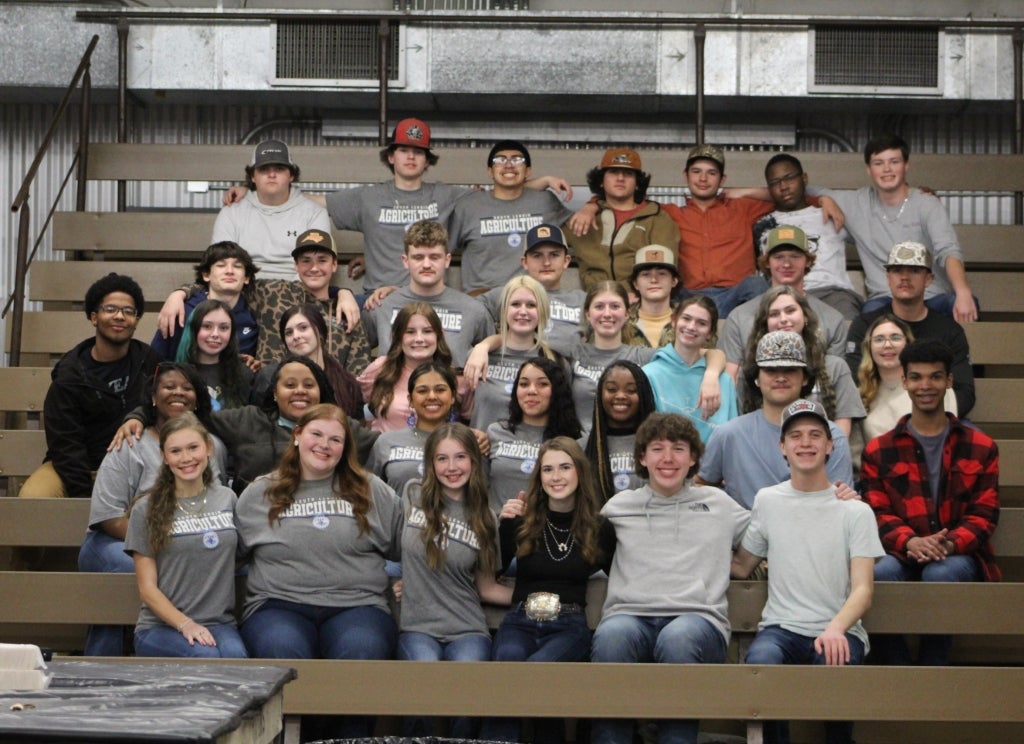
<point x="508" y="160"/>
<point x="892" y="338"/>
<point x="128" y="312"/>
<point x="783" y="179"/>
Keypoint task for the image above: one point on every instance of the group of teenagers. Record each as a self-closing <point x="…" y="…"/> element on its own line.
<point x="500" y="449"/>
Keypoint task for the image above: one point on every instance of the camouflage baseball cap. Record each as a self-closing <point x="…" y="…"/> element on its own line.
<point x="909" y="253"/>
<point x="781" y="349"/>
<point x="706" y="152"/>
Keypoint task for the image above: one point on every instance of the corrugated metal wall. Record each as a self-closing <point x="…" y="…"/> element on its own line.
<point x="22" y="127"/>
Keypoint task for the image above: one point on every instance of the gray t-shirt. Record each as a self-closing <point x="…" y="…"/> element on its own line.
<point x="932" y="446"/>
<point x="876" y="229"/>
<point x="588" y="364"/>
<point x="397" y="457"/>
<point x="464" y="321"/>
<point x="127" y="472"/>
<point x="444" y="604"/>
<point x="563" y="329"/>
<point x="743" y="454"/>
<point x="490" y="402"/>
<point x="513" y="458"/>
<point x="382" y="213"/>
<point x="490" y="233"/>
<point x="196" y="569"/>
<point x="736" y="329"/>
<point x="809" y="538"/>
<point x="313" y="554"/>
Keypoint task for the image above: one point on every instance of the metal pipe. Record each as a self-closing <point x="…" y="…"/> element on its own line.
<point x="83" y="142"/>
<point x="20" y="272"/>
<point x="122" y="103"/>
<point x="700" y="35"/>
<point x="384" y="47"/>
<point x="1018" y="114"/>
<point x="22" y="195"/>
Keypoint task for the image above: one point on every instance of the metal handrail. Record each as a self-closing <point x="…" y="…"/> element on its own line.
<point x="21" y="204"/>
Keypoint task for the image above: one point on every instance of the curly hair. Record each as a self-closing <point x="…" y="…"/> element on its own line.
<point x="595" y="182"/>
<point x="586" y="518"/>
<point x="525" y="281"/>
<point x="350" y="483"/>
<point x="474" y="495"/>
<point x="383" y="392"/>
<point x="113" y="283"/>
<point x="671" y="427"/>
<point x="326" y="392"/>
<point x="561" y="414"/>
<point x="229" y="361"/>
<point x="204" y="406"/>
<point x="597" y="443"/>
<point x="607" y="287"/>
<point x="347" y="393"/>
<point x="868" y="377"/>
<point x="162" y="494"/>
<point x="817" y="373"/>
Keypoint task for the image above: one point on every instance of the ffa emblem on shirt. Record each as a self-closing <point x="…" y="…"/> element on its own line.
<point x="210" y="540"/>
<point x="320" y="521"/>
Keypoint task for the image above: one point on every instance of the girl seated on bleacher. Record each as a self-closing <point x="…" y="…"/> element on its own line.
<point x="210" y="345"/>
<point x="182" y="539"/>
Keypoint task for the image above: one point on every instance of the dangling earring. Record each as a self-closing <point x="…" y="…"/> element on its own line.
<point x="453" y="416"/>
<point x="411" y="421"/>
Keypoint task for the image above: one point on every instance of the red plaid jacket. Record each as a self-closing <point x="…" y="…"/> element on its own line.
<point x="895" y="477"/>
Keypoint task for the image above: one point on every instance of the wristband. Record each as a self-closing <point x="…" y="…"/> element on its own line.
<point x="184" y="622"/>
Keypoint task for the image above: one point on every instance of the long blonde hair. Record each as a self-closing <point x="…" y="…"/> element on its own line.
<point x="543" y="311"/>
<point x="868" y="377"/>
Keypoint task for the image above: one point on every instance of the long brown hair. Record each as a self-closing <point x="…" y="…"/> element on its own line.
<point x="383" y="392"/>
<point x="350" y="482"/>
<point x="586" y="514"/>
<point x="478" y="510"/>
<point x="615" y="288"/>
<point x="162" y="496"/>
<point x="813" y="342"/>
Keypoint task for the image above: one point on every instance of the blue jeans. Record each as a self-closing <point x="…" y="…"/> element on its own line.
<point x="774" y="645"/>
<point x="163" y="640"/>
<point x="413" y="646"/>
<point x="288" y="630"/>
<point x="566" y="638"/>
<point x="727" y="298"/>
<point x="934" y="649"/>
<point x="672" y="639"/>
<point x="101" y="553"/>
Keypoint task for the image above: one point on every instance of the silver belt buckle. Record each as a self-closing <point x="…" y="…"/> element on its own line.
<point x="543" y="606"/>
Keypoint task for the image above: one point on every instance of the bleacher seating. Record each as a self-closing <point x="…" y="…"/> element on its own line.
<point x="55" y="606"/>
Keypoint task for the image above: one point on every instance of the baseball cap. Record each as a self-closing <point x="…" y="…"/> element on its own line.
<point x="621" y="157"/>
<point x="545" y="234"/>
<point x="509" y="145"/>
<point x="271" y="152"/>
<point x="706" y="152"/>
<point x="411" y="133"/>
<point x="314" y="239"/>
<point x="655" y="256"/>
<point x="786" y="236"/>
<point x="804" y="407"/>
<point x="781" y="349"/>
<point x="909" y="253"/>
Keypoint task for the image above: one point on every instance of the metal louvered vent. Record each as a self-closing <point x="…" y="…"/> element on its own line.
<point x="874" y="59"/>
<point x="329" y="52"/>
<point x="409" y="5"/>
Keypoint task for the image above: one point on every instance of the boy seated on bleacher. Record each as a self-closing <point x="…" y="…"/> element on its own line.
<point x="822" y="553"/>
<point x="93" y="386"/>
